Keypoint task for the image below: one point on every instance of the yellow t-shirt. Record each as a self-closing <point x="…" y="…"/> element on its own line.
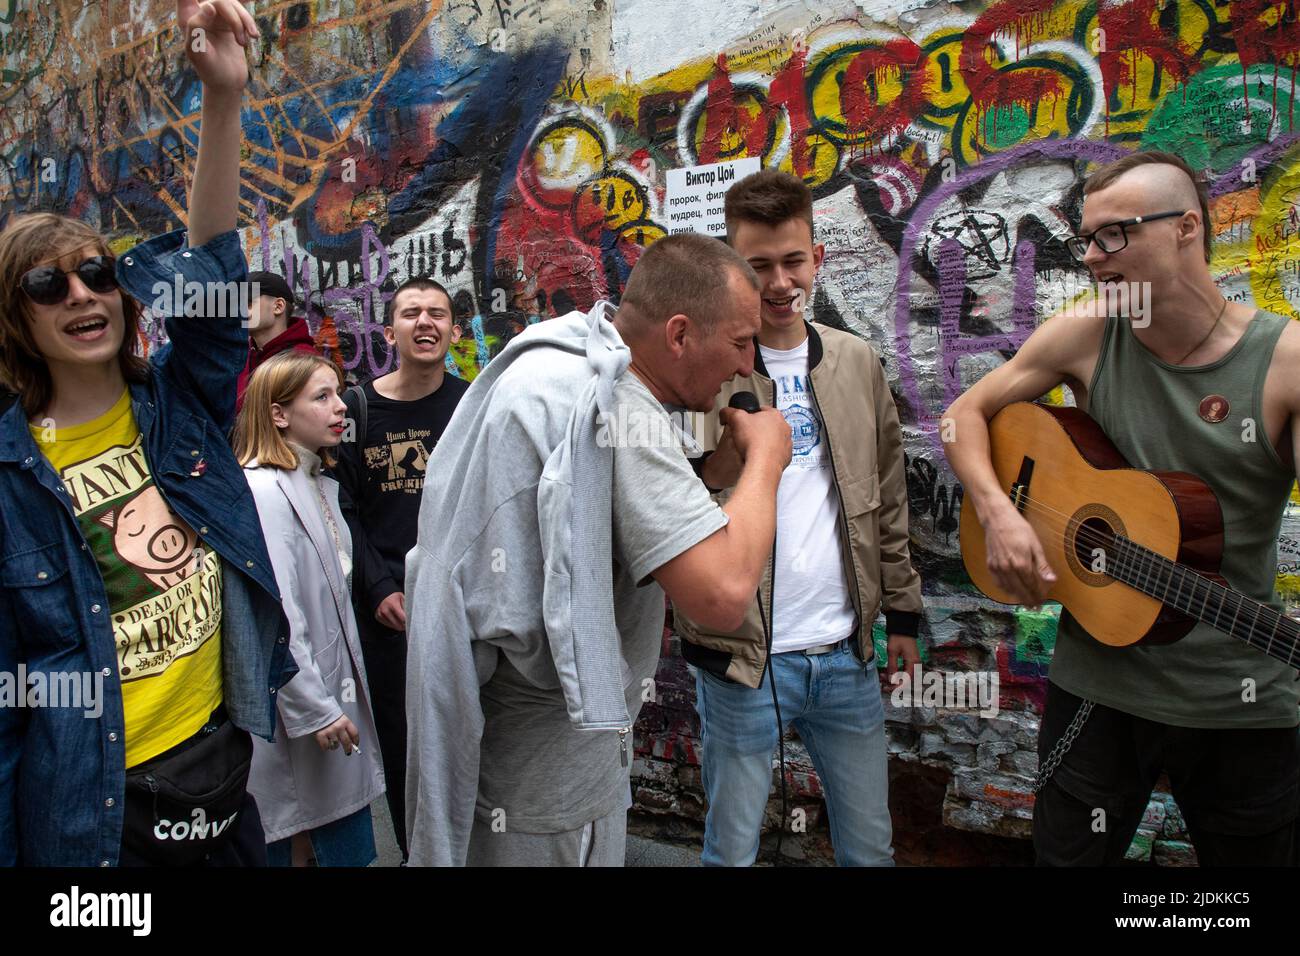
<point x="163" y="583"/>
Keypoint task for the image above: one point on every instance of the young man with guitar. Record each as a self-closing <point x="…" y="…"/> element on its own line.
<point x="1199" y="385"/>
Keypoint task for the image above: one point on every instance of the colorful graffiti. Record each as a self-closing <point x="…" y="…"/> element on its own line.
<point x="507" y="148"/>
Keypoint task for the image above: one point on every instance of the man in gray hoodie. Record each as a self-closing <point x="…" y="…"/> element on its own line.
<point x="558" y="509"/>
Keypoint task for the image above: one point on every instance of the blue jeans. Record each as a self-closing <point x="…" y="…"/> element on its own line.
<point x="346" y="842"/>
<point x="833" y="701"/>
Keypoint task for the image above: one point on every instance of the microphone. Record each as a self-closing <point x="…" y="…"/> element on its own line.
<point x="745" y="401"/>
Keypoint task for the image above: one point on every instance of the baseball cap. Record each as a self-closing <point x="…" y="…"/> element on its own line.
<point x="268" y="283"/>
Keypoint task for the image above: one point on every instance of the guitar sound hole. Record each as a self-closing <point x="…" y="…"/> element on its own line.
<point x="1093" y="545"/>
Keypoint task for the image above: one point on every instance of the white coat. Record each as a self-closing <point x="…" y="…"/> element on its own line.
<point x="297" y="785"/>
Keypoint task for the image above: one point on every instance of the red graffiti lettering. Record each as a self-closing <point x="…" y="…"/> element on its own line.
<point x="1267" y="32"/>
<point x="992" y="87"/>
<point x="787" y="90"/>
<point x="727" y="121"/>
<point x="1131" y="29"/>
<point x="859" y="96"/>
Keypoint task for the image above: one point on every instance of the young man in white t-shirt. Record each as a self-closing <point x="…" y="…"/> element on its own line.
<point x="841" y="552"/>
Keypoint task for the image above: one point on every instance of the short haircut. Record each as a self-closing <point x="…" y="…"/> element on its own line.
<point x="688" y="273"/>
<point x="1106" y="176"/>
<point x="25" y="241"/>
<point x="276" y="382"/>
<point x="768" y="197"/>
<point x="422" y="283"/>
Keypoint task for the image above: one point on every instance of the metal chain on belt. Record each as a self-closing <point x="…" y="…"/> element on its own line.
<point x="1048" y="766"/>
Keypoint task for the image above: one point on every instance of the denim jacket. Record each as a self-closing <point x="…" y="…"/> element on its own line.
<point x="62" y="773"/>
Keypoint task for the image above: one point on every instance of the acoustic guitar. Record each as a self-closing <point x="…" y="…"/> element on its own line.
<point x="1136" y="553"/>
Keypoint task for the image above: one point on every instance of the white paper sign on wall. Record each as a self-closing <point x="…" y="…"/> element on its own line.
<point x="695" y="194"/>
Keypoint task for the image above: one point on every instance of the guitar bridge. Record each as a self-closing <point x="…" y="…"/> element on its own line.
<point x="1020" y="487"/>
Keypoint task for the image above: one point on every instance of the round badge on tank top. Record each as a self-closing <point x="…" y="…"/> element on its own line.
<point x="1214" y="408"/>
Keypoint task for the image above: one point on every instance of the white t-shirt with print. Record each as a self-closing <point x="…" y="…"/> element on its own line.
<point x="811" y="602"/>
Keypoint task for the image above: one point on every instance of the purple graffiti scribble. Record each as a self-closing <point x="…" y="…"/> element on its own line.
<point x="368" y="300"/>
<point x="1231" y="180"/>
<point x="264" y="231"/>
<point x="1054" y="150"/>
<point x="952" y="284"/>
<point x="1023" y="312"/>
<point x="289" y="265"/>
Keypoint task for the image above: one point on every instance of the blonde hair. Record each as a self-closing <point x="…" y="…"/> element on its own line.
<point x="25" y="241"/>
<point x="276" y="382"/>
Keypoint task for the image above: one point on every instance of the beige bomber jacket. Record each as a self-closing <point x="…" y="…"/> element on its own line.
<point x="866" y="448"/>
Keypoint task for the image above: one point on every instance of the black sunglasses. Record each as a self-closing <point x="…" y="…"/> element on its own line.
<point x="48" y="285"/>
<point x="1111" y="237"/>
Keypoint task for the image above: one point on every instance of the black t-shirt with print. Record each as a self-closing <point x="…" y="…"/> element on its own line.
<point x="381" y="476"/>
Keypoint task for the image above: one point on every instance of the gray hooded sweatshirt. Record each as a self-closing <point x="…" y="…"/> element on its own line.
<point x="533" y="625"/>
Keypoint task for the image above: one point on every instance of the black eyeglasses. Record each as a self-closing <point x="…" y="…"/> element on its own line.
<point x="1111" y="237"/>
<point x="48" y="285"/>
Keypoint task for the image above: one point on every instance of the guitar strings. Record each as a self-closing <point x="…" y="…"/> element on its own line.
<point x="1092" y="537"/>
<point x="1291" y="642"/>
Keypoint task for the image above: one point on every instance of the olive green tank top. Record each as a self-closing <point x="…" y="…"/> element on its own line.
<point x="1206" y="420"/>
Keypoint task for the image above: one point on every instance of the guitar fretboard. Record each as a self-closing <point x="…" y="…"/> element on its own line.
<point x="1204" y="600"/>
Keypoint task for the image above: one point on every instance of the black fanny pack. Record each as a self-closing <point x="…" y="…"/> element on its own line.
<point x="185" y="803"/>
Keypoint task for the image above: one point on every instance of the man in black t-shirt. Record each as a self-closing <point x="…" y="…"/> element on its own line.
<point x="381" y="475"/>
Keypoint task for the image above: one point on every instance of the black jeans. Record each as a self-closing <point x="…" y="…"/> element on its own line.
<point x="384" y="652"/>
<point x="1238" y="790"/>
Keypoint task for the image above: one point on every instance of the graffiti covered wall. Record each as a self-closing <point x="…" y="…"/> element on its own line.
<point x="516" y="150"/>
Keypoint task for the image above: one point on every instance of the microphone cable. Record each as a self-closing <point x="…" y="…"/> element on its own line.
<point x="776" y="704"/>
<point x="748" y="402"/>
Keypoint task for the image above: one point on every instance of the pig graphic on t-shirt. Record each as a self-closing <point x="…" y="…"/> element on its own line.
<point x="152" y="538"/>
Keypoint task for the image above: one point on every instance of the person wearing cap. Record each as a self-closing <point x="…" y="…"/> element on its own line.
<point x="272" y="329"/>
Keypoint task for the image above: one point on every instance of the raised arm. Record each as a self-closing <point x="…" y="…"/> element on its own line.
<point x="1062" y="349"/>
<point x="216" y="33"/>
<point x="194" y="280"/>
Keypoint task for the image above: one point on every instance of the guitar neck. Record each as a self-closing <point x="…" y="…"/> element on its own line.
<point x="1204" y="600"/>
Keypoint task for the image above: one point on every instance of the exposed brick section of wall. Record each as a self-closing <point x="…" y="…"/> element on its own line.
<point x="960" y="784"/>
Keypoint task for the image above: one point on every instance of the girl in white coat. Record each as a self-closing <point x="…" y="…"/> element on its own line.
<point x="315" y="783"/>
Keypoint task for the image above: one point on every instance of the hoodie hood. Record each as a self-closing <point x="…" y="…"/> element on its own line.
<point x="297" y="334"/>
<point x="296" y="337"/>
